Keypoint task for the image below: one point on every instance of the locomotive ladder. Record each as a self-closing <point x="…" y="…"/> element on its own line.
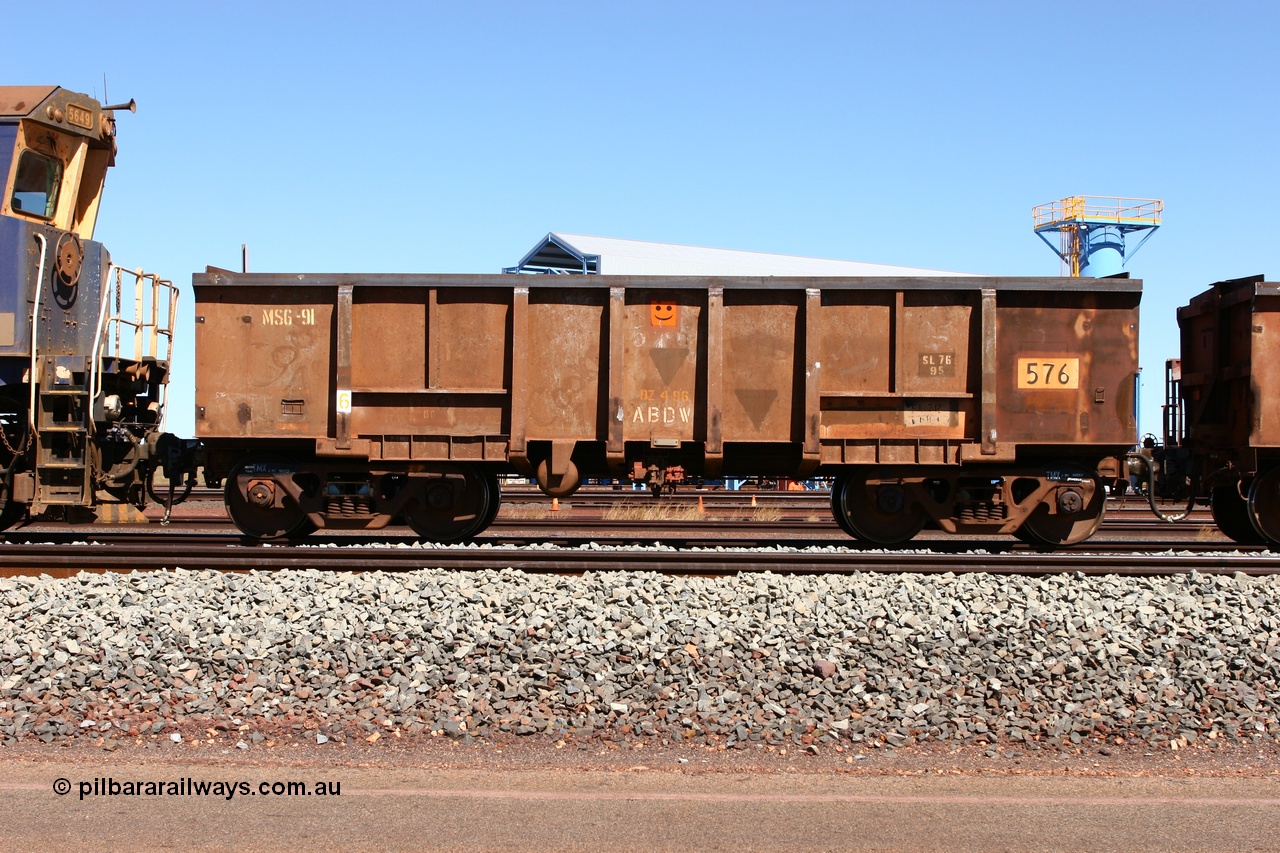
<point x="63" y="408"/>
<point x="59" y="413"/>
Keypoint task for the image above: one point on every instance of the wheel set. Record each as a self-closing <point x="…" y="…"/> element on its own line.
<point x="1052" y="508"/>
<point x="881" y="514"/>
<point x="455" y="510"/>
<point x="1248" y="510"/>
<point x="275" y="497"/>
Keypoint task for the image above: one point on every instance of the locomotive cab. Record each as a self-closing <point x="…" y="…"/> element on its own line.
<point x="84" y="345"/>
<point x="57" y="146"/>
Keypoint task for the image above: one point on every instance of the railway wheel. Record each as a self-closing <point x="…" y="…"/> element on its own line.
<point x="1231" y="513"/>
<point x="444" y="513"/>
<point x="880" y="513"/>
<point x="1068" y="526"/>
<point x="495" y="501"/>
<point x="260" y="515"/>
<point x="837" y="505"/>
<point x="1264" y="505"/>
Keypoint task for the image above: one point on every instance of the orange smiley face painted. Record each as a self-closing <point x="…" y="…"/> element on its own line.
<point x="662" y="314"/>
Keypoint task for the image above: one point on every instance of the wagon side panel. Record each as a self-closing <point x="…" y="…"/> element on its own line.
<point x="567" y="346"/>
<point x="430" y="376"/>
<point x="1264" y="340"/>
<point x="1228" y="364"/>
<point x="264" y="362"/>
<point x="896" y="372"/>
<point x="761" y="339"/>
<point x="663" y="351"/>
<point x="1066" y="367"/>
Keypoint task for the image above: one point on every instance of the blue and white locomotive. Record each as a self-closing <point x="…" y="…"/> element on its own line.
<point x="84" y="344"/>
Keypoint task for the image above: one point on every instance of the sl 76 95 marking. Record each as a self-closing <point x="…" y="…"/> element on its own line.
<point x="937" y="364"/>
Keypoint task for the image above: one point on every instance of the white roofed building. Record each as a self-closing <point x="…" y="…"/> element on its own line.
<point x="560" y="253"/>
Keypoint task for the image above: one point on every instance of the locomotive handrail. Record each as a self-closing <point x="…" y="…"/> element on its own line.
<point x="35" y="331"/>
<point x="147" y="329"/>
<point x="95" y="372"/>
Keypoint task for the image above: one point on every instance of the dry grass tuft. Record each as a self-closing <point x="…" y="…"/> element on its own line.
<point x="654" y="511"/>
<point x="1207" y="532"/>
<point x="527" y="511"/>
<point x="765" y="513"/>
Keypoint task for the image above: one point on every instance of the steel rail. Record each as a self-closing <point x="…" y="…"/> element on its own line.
<point x="730" y="499"/>
<point x="228" y="554"/>
<point x="578" y="529"/>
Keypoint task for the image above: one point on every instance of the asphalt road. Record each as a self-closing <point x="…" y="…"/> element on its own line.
<point x="381" y="808"/>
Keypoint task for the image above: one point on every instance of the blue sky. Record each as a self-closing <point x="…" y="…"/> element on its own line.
<point x="449" y="137"/>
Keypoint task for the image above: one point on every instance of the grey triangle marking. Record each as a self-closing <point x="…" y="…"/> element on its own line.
<point x="668" y="361"/>
<point x="757" y="404"/>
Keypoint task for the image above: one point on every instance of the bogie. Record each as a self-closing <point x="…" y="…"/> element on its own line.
<point x="278" y="496"/>
<point x="1050" y="506"/>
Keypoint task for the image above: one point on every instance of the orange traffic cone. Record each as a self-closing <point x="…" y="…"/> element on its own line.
<point x="702" y="510"/>
<point x="555" y="504"/>
<point x="753" y="499"/>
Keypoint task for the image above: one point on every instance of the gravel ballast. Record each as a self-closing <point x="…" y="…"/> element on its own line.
<point x="876" y="660"/>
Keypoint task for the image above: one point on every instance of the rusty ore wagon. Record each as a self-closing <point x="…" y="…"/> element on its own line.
<point x="1223" y="417"/>
<point x="978" y="405"/>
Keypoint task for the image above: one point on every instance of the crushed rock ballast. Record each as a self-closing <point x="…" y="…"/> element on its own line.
<point x="874" y="659"/>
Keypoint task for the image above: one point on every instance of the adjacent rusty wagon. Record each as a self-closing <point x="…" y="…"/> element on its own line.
<point x="1223" y="423"/>
<point x="980" y="405"/>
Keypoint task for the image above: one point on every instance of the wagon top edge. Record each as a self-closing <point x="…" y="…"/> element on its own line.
<point x="226" y="278"/>
<point x="1225" y="294"/>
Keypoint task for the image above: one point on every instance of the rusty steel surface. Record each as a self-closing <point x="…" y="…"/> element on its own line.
<point x="23" y="100"/>
<point x="1231" y="366"/>
<point x="1223" y="430"/>
<point x="1074" y="358"/>
<point x="716" y="374"/>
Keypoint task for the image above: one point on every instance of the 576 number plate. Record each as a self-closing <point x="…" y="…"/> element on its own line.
<point x="1052" y="374"/>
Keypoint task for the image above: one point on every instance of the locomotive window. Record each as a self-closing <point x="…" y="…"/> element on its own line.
<point x="35" y="187"/>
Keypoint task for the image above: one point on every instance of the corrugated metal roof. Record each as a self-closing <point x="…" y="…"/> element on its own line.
<point x="559" y="251"/>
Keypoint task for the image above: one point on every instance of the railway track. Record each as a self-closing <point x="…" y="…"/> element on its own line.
<point x="525" y="505"/>
<point x="67" y="553"/>
<point x="734" y="532"/>
<point x="601" y="498"/>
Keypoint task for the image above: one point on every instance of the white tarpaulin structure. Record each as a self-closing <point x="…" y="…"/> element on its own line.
<point x="560" y="253"/>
